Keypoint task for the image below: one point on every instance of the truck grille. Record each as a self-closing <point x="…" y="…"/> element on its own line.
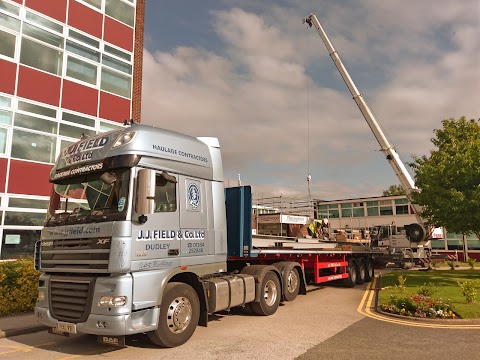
<point x="87" y="255"/>
<point x="71" y="297"/>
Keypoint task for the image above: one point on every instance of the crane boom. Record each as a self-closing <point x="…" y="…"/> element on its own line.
<point x="387" y="148"/>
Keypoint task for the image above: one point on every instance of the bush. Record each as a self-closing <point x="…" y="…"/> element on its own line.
<point x="401" y="281"/>
<point x="18" y="286"/>
<point x="427" y="289"/>
<point x="417" y="305"/>
<point x="451" y="264"/>
<point x="471" y="262"/>
<point x="469" y="290"/>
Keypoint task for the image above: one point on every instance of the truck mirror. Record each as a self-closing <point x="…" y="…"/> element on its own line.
<point x="108" y="177"/>
<point x="145" y="199"/>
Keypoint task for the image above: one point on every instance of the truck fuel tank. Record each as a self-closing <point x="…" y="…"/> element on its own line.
<point x="226" y="292"/>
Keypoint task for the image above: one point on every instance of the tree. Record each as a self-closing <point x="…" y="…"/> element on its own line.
<point x="394" y="190"/>
<point x="449" y="179"/>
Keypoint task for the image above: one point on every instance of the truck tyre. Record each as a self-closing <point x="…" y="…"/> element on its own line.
<point x="270" y="293"/>
<point x="292" y="284"/>
<point x="370" y="272"/>
<point x="415" y="232"/>
<point x="179" y="314"/>
<point x="351" y="280"/>
<point x="361" y="272"/>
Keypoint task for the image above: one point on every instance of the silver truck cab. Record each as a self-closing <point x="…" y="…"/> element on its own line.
<point x="130" y="210"/>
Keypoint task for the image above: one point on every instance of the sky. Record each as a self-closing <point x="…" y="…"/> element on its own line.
<point x="253" y="75"/>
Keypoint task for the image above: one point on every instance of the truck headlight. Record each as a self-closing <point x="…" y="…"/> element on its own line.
<point x="112" y="301"/>
<point x="41" y="295"/>
<point x="124" y="139"/>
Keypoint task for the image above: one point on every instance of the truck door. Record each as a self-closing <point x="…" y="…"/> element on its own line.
<point x="158" y="237"/>
<point x="193" y="219"/>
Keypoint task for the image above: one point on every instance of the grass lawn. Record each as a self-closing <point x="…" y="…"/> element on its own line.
<point x="446" y="288"/>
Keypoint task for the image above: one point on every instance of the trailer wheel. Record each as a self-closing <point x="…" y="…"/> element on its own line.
<point x="370" y="272"/>
<point x="361" y="272"/>
<point x="351" y="280"/>
<point x="292" y="282"/>
<point x="269" y="295"/>
<point x="179" y="315"/>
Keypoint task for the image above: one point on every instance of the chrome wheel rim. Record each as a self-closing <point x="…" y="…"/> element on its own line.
<point x="270" y="292"/>
<point x="292" y="282"/>
<point x="179" y="314"/>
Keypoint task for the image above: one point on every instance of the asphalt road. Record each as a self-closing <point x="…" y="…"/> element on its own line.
<point x="325" y="324"/>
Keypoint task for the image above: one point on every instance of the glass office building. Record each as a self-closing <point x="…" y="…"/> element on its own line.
<point x="67" y="68"/>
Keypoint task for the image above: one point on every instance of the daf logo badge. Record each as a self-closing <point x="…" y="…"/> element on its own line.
<point x="193" y="195"/>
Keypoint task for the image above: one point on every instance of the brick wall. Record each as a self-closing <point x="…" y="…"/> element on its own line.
<point x="138" y="56"/>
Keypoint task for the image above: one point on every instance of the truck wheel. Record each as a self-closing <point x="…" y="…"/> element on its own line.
<point x="352" y="274"/>
<point x="370" y="272"/>
<point x="292" y="282"/>
<point x="361" y="272"/>
<point x="269" y="295"/>
<point x="179" y="314"/>
<point x="415" y="232"/>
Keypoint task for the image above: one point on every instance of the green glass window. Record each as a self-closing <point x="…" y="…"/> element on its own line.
<point x="117" y="64"/>
<point x="41" y="57"/>
<point x="358" y="212"/>
<point x="372" y="203"/>
<point x="83" y="38"/>
<point x="82" y="70"/>
<point x="116" y="83"/>
<point x="7" y="44"/>
<point x="438" y="244"/>
<point x="346" y="212"/>
<point x="108" y="127"/>
<point x="27" y="203"/>
<point x="34" y="123"/>
<point x="6" y="117"/>
<point x="3" y="140"/>
<point x="83" y="51"/>
<point x="42" y="35"/>
<point x="9" y="22"/>
<point x="35" y="147"/>
<point x="473" y="244"/>
<point x="74" y="131"/>
<point x="37" y="109"/>
<point x="24" y="218"/>
<point x="78" y="119"/>
<point x="401" y="209"/>
<point x="118" y="53"/>
<point x="44" y="22"/>
<point x="95" y="3"/>
<point x="120" y="11"/>
<point x="401" y="201"/>
<point x="386" y="210"/>
<point x="373" y="211"/>
<point x="12" y="9"/>
<point x="346" y="205"/>
<point x="454" y="245"/>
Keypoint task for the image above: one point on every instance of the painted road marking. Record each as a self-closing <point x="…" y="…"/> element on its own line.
<point x="365" y="307"/>
<point x="15" y="348"/>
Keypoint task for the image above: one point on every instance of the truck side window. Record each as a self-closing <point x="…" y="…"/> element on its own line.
<point x="165" y="193"/>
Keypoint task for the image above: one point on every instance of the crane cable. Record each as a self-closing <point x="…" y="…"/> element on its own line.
<point x="309" y="176"/>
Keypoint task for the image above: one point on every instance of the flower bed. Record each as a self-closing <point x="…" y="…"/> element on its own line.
<point x="419" y="306"/>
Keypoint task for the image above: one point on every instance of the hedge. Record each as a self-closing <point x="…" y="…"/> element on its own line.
<point x="18" y="286"/>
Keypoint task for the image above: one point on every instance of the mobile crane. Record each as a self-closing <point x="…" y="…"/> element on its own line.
<point x="417" y="236"/>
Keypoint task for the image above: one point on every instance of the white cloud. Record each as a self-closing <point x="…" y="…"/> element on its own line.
<point x="257" y="94"/>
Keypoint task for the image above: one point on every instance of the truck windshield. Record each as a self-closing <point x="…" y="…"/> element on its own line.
<point x="100" y="197"/>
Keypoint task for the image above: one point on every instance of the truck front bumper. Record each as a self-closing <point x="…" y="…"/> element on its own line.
<point x="115" y="325"/>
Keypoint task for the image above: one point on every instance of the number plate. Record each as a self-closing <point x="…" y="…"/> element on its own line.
<point x="66" y="327"/>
